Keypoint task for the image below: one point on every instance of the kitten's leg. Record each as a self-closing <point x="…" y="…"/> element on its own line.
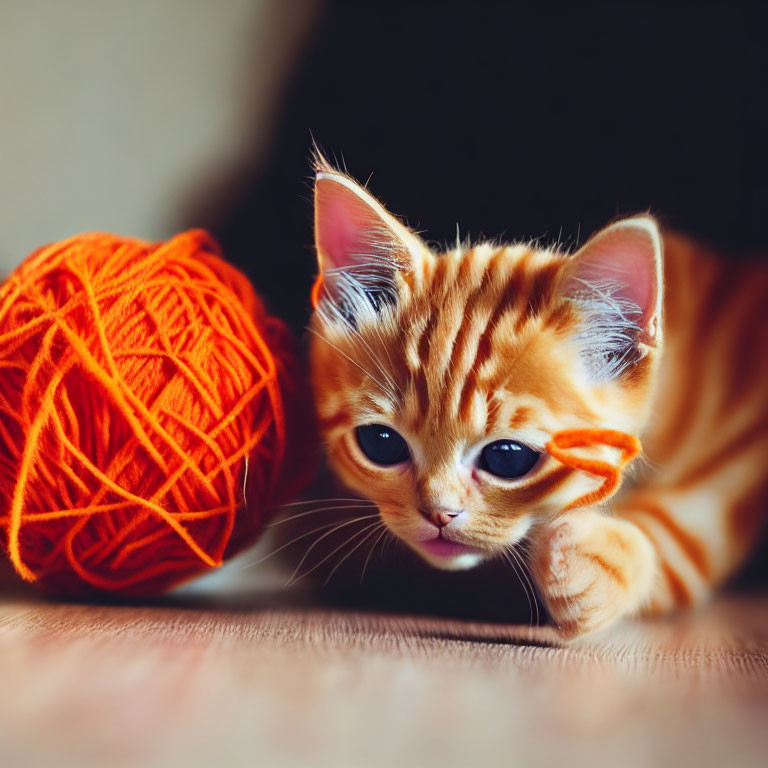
<point x="592" y="569"/>
<point x="657" y="551"/>
<point x="701" y="535"/>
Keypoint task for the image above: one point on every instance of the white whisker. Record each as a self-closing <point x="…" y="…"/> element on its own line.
<point x="513" y="564"/>
<point x="322" y="501"/>
<point x="294" y="577"/>
<point x="298" y="515"/>
<point x="357" y="365"/>
<point x="293" y="541"/>
<point x="324" y="536"/>
<point x="524" y="572"/>
<point x="354" y="549"/>
<point x="368" y="559"/>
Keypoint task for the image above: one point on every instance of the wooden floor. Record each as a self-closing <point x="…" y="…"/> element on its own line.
<point x="171" y="684"/>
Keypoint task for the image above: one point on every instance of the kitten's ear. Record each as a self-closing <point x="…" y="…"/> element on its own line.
<point x="625" y="259"/>
<point x="616" y="278"/>
<point x="358" y="241"/>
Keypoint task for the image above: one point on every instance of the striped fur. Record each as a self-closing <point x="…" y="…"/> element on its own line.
<point x="488" y="342"/>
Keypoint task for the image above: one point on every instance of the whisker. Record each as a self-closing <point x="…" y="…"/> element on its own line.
<point x="379" y="384"/>
<point x="524" y="571"/>
<point x="512" y="563"/>
<point x="386" y="345"/>
<point x="528" y="587"/>
<point x="368" y="559"/>
<point x="357" y="338"/>
<point x="293" y="541"/>
<point x="390" y="542"/>
<point x="357" y="546"/>
<point x="315" y="511"/>
<point x="294" y="578"/>
<point x="534" y="592"/>
<point x="286" y="545"/>
<point x="324" y="536"/>
<point x="322" y="501"/>
<point x="387" y="377"/>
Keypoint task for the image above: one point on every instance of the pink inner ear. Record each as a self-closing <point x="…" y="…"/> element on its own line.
<point x="624" y="256"/>
<point x="346" y="227"/>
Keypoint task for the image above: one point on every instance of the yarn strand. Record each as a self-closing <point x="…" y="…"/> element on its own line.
<point x="611" y="474"/>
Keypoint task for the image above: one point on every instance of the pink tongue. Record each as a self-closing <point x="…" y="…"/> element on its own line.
<point x="444" y="548"/>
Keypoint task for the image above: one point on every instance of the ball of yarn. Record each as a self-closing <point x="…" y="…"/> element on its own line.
<point x="146" y="404"/>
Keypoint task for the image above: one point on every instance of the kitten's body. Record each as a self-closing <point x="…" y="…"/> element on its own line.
<point x="702" y="496"/>
<point x="516" y="343"/>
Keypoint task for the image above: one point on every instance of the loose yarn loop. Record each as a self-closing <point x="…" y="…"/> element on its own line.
<point x="317" y="289"/>
<point x="629" y="446"/>
<point x="137" y="383"/>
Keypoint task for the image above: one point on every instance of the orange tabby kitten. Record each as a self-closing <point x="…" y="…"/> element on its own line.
<point x="440" y="380"/>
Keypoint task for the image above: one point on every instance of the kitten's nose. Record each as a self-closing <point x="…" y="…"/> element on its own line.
<point x="440" y="516"/>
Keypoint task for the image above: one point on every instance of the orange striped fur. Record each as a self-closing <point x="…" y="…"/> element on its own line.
<point x="486" y="342"/>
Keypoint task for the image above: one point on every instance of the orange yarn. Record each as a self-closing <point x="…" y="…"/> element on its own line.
<point x="581" y="438"/>
<point x="138" y="384"/>
<point x="317" y="288"/>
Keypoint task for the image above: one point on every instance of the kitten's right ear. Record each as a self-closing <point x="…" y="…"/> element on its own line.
<point x="358" y="241"/>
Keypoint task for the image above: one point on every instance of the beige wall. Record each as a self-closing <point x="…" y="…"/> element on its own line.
<point x="115" y="115"/>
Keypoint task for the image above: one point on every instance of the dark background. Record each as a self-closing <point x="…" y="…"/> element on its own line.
<point x="517" y="121"/>
<point x="513" y="121"/>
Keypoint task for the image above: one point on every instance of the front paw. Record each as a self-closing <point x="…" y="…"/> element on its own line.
<point x="592" y="570"/>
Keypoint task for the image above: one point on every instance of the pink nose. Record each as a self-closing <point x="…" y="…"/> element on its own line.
<point x="440" y="516"/>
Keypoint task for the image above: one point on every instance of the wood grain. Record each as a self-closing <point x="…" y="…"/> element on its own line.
<point x="176" y="685"/>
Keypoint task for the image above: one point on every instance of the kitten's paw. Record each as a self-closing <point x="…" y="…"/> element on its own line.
<point x="592" y="570"/>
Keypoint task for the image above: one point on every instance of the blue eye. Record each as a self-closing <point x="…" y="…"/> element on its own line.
<point x="382" y="445"/>
<point x="508" y="459"/>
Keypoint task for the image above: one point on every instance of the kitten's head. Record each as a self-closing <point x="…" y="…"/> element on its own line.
<point x="439" y="378"/>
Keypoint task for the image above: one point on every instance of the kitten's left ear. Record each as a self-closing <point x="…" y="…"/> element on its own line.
<point x="356" y="236"/>
<point x="624" y="262"/>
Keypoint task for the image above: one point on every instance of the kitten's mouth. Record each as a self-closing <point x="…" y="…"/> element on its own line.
<point x="443" y="553"/>
<point x="442" y="547"/>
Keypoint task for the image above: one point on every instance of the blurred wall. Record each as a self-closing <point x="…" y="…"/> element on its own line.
<point x="114" y="116"/>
